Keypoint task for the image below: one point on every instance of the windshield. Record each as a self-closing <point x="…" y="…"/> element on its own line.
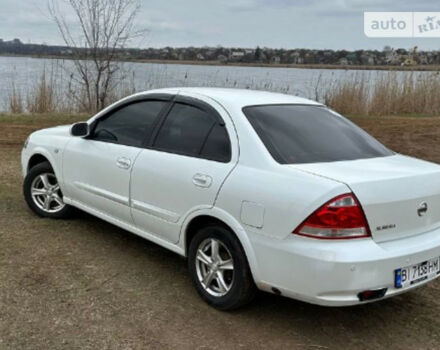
<point x="311" y="134"/>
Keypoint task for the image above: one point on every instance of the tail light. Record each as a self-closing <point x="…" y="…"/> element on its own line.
<point x="340" y="218"/>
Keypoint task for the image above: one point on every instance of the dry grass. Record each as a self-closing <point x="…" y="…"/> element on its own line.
<point x="348" y="97"/>
<point x="42" y="98"/>
<point x="388" y="95"/>
<point x="15" y="101"/>
<point x="54" y="92"/>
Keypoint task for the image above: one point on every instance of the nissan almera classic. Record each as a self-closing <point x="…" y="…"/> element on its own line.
<point x="258" y="190"/>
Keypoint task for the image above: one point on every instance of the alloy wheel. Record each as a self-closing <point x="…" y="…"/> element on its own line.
<point x="46" y="193"/>
<point x="215" y="267"/>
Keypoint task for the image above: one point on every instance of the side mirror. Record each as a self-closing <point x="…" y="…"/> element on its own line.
<point x="80" y="129"/>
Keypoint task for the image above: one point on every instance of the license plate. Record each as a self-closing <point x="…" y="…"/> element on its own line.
<point x="410" y="275"/>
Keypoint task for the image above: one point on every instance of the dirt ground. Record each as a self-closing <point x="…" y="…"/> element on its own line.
<point x="85" y="284"/>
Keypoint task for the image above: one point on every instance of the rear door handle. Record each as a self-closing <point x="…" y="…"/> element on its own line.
<point x="123" y="163"/>
<point x="202" y="180"/>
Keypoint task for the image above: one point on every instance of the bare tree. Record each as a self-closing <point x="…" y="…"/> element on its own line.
<point x="105" y="27"/>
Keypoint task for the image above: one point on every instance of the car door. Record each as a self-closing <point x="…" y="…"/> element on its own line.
<point x="188" y="159"/>
<point x="97" y="169"/>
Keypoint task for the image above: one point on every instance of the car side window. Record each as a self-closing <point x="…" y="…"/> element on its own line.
<point x="191" y="131"/>
<point x="130" y="125"/>
<point x="217" y="145"/>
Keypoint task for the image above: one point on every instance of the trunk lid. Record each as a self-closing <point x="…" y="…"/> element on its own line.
<point x="400" y="195"/>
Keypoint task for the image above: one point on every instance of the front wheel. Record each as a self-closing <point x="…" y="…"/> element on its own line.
<point x="219" y="268"/>
<point x="43" y="194"/>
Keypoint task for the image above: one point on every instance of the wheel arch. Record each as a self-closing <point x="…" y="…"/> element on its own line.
<point x="201" y="218"/>
<point x="40" y="155"/>
<point x="35" y="159"/>
<point x="198" y="223"/>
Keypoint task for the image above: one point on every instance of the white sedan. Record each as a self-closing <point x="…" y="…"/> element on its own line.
<point x="256" y="189"/>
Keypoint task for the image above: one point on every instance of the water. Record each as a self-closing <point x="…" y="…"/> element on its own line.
<point x="24" y="72"/>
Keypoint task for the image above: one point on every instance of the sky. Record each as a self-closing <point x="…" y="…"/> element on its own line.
<point x="330" y="24"/>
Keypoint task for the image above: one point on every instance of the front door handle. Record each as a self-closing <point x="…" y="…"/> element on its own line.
<point x="202" y="180"/>
<point x="123" y="163"/>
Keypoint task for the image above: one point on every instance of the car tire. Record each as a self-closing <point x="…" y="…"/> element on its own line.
<point x="224" y="288"/>
<point x="42" y="193"/>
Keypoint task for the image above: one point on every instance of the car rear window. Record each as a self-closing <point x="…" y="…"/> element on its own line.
<point x="311" y="134"/>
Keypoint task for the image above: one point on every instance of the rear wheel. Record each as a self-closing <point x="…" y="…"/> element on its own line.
<point x="43" y="194"/>
<point x="219" y="268"/>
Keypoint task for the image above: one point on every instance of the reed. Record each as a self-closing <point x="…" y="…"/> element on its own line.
<point x="15" y="101"/>
<point x="348" y="97"/>
<point x="41" y="98"/>
<point x="363" y="94"/>
<point x="389" y="94"/>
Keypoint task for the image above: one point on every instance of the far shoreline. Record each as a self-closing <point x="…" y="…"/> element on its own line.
<point x="420" y="68"/>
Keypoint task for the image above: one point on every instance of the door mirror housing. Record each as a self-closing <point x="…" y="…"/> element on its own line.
<point x="80" y="129"/>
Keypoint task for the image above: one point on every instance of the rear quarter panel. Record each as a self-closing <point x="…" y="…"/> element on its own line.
<point x="274" y="201"/>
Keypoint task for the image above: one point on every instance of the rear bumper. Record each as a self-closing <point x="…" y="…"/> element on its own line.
<point x="333" y="273"/>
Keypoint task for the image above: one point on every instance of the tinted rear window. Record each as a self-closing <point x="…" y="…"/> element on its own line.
<point x="311" y="134"/>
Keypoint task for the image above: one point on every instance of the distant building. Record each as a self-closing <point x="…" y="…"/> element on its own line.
<point x="367" y="59"/>
<point x="391" y="57"/>
<point x="276" y="59"/>
<point x="67" y="52"/>
<point x="408" y="62"/>
<point x="295" y="58"/>
<point x="352" y="58"/>
<point x="343" y="61"/>
<point x="222" y="58"/>
<point x="236" y="55"/>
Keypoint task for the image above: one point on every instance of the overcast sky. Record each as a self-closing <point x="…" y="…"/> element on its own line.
<point x="330" y="24"/>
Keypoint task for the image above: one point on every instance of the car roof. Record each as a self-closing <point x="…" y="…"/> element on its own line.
<point x="239" y="98"/>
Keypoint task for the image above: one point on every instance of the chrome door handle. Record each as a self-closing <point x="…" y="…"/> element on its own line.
<point x="123" y="163"/>
<point x="202" y="180"/>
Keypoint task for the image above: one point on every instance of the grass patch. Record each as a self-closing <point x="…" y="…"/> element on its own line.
<point x="43" y="119"/>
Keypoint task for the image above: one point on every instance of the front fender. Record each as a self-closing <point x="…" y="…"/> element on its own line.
<point x="52" y="156"/>
<point x="49" y="143"/>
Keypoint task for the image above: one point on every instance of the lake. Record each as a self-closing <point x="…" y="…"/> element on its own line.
<point x="23" y="73"/>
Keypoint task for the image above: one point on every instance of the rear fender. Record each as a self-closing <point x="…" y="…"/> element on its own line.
<point x="235" y="226"/>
